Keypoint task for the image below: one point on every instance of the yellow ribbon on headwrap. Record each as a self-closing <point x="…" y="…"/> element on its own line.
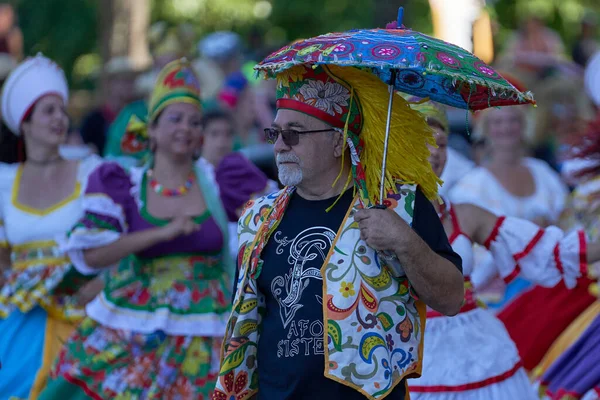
<point x="344" y="145"/>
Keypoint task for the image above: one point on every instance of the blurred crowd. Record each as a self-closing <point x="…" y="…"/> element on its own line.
<point x="237" y="105"/>
<point x="515" y="161"/>
<point x="535" y="58"/>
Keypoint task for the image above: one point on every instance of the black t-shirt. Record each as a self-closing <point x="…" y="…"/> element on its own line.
<point x="291" y="349"/>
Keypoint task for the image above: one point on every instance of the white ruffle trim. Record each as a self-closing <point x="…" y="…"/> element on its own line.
<point x="135" y="177"/>
<point x="99" y="203"/>
<point x="106" y="313"/>
<point x="468" y="348"/>
<point x="542" y="256"/>
<point x="81" y="240"/>
<point x="517" y="387"/>
<point x="486" y="270"/>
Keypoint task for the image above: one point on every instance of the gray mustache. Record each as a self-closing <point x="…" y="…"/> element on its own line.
<point x="287" y="157"/>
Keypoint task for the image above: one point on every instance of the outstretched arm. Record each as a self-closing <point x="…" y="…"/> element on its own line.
<point x="541" y="255"/>
<point x="136" y="242"/>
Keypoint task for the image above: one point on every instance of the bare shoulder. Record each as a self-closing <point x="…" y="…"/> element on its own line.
<point x="467" y="209"/>
<point x="466" y="214"/>
<point x="472" y="218"/>
<point x="475" y="221"/>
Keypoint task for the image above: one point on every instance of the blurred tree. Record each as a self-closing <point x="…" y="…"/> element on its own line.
<point x="60" y="29"/>
<point x="564" y="16"/>
<point x="313" y="17"/>
<point x="417" y="14"/>
<point x="207" y="15"/>
<point x="68" y="29"/>
<point x="124" y="30"/>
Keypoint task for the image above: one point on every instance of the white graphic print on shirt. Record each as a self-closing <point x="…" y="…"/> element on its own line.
<point x="306" y="254"/>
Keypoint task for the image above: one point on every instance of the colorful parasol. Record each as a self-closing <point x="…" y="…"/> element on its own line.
<point x="419" y="65"/>
<point x="407" y="61"/>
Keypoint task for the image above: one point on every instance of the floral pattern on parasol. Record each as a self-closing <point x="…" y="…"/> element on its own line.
<point x="425" y="66"/>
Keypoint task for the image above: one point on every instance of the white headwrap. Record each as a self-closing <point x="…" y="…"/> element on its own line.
<point x="32" y="79"/>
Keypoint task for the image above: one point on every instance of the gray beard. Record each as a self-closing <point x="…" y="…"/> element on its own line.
<point x="289" y="176"/>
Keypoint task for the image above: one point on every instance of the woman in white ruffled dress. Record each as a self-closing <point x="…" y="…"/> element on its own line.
<point x="40" y="199"/>
<point x="471" y="356"/>
<point x="512" y="184"/>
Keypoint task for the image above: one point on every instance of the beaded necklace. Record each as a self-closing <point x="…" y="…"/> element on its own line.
<point x="162" y="191"/>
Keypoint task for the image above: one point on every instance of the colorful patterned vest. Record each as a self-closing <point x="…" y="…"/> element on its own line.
<point x="373" y="323"/>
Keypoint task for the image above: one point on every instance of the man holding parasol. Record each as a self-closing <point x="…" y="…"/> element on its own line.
<point x="335" y="270"/>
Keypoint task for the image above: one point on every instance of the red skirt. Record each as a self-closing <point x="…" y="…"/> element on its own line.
<point x="536" y="318"/>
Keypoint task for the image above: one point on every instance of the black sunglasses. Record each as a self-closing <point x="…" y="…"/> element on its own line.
<point x="290" y="137"/>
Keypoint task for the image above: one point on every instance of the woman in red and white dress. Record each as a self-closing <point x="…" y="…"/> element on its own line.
<point x="513" y="185"/>
<point x="471" y="356"/>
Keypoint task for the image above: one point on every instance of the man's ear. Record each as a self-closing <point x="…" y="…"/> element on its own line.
<point x="338" y="140"/>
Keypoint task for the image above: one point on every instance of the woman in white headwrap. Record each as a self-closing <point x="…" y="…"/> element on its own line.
<point x="40" y="199"/>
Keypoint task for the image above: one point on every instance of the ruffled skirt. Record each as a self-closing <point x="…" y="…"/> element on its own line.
<point x="537" y="317"/>
<point x="186" y="295"/>
<point x="105" y="363"/>
<point x="47" y="285"/>
<point x="470" y="357"/>
<point x="568" y="337"/>
<point x="155" y="332"/>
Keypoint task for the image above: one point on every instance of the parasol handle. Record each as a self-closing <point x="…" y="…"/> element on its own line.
<point x="400" y="16"/>
<point x="387" y="136"/>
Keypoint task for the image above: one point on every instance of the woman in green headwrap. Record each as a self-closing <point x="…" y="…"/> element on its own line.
<point x="155" y="330"/>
